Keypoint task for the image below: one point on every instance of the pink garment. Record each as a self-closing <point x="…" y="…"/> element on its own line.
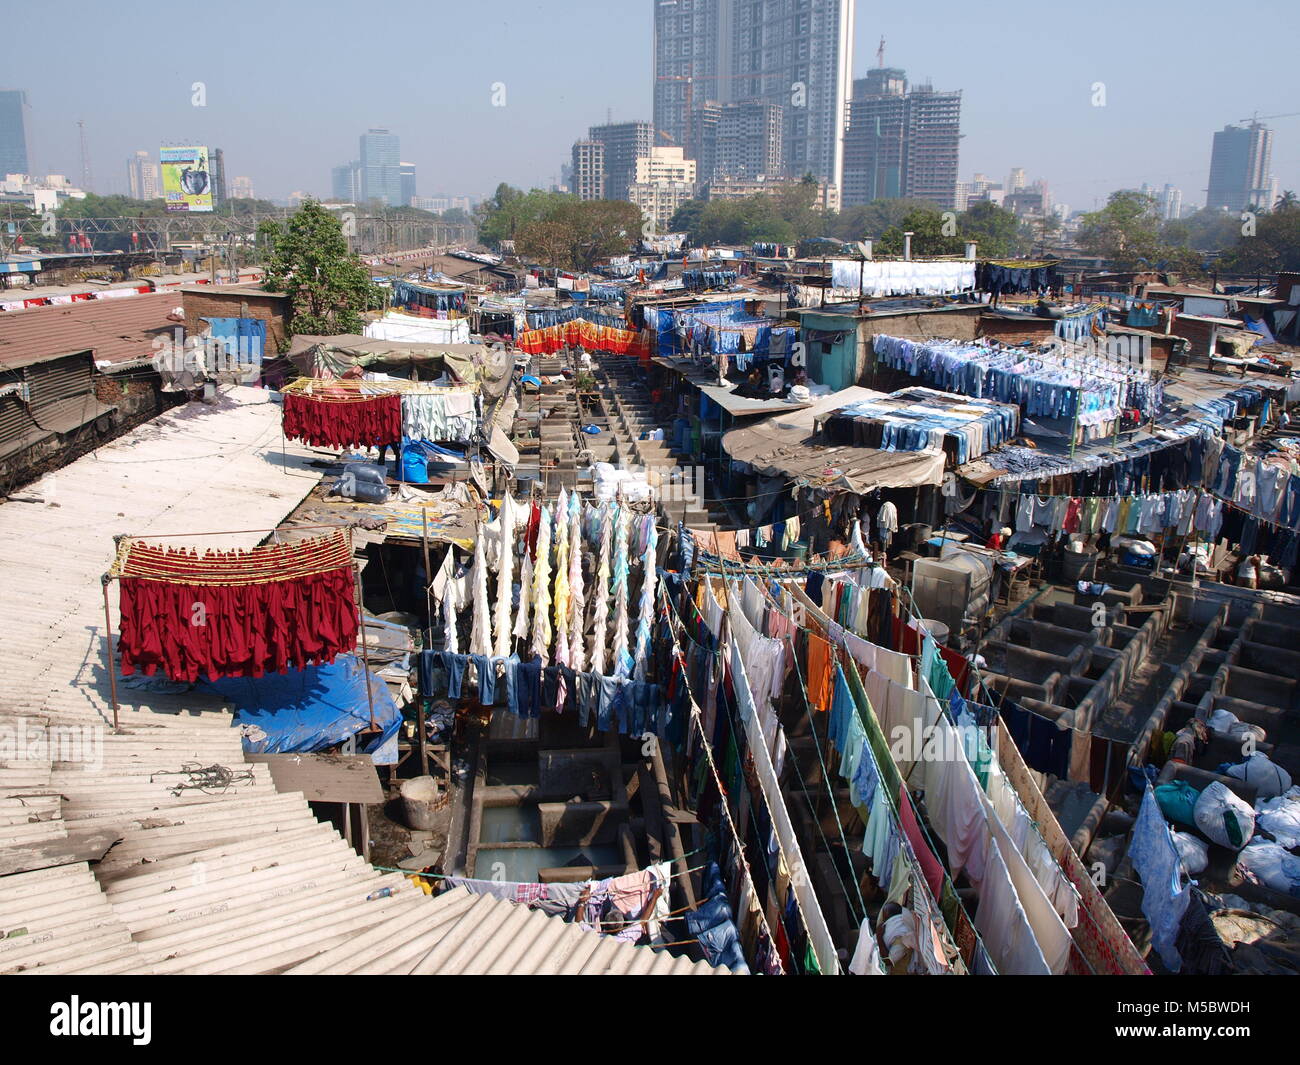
<point x="930" y="867"/>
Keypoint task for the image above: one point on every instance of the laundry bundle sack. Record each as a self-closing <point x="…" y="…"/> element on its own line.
<point x="1177" y="801"/>
<point x="1194" y="853"/>
<point x="349" y="486"/>
<point x="1227" y="722"/>
<point x="1280" y="818"/>
<point x="1273" y="866"/>
<point x="1260" y="771"/>
<point x="1225" y="817"/>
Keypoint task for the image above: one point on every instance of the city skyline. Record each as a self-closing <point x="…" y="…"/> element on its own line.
<point x="517" y="114"/>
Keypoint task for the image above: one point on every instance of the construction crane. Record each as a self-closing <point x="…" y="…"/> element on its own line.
<point x="880" y="54"/>
<point x="1257" y="117"/>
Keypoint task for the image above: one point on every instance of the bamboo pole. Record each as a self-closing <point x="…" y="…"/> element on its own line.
<point x="108" y="650"/>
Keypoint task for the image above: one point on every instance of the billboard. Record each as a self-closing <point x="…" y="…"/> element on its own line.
<point x="186" y="180"/>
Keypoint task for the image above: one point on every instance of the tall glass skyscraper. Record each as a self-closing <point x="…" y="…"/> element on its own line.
<point x="13" y="132"/>
<point x="381" y="167"/>
<point x="1241" y="168"/>
<point x="797" y="54"/>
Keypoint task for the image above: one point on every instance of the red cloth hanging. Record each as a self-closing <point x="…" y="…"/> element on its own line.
<point x="577" y="332"/>
<point x="364" y="422"/>
<point x="237" y="613"/>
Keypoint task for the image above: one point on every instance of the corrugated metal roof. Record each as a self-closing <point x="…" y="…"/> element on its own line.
<point x="116" y="330"/>
<point x="244" y="880"/>
<point x="462" y="934"/>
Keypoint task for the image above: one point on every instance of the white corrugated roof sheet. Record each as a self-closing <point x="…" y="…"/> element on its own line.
<point x="245" y="880"/>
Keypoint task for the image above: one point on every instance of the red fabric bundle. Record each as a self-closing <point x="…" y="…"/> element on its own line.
<point x="236" y="614"/>
<point x="363" y="422"/>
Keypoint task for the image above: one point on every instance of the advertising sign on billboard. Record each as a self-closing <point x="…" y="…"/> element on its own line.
<point x="186" y="180"/>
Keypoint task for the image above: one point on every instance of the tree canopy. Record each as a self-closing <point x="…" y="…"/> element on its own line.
<point x="790" y="217"/>
<point x="307" y="257"/>
<point x="574" y="234"/>
<point x="1270" y="245"/>
<point x="1126" y="231"/>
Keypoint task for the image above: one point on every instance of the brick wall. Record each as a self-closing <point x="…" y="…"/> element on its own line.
<point x="215" y="304"/>
<point x="1015" y="331"/>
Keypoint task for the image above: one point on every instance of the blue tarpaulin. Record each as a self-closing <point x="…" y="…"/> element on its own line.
<point x="244" y="339"/>
<point x="312" y="709"/>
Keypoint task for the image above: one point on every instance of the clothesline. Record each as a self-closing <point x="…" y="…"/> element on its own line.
<point x="812" y="808"/>
<point x="696" y="718"/>
<point x="320" y="388"/>
<point x="940" y="667"/>
<point x="919" y="882"/>
<point x="765" y="774"/>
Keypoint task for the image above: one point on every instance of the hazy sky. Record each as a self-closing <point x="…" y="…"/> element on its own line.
<point x="289" y="93"/>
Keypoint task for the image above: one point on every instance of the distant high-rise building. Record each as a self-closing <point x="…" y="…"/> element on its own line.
<point x="1241" y="168"/>
<point x="740" y="140"/>
<point x="702" y="143"/>
<point x="241" y="188"/>
<point x="981" y="189"/>
<point x="664" y="180"/>
<point x="624" y="144"/>
<point x="901" y="143"/>
<point x="1016" y="179"/>
<point x="13" y="132"/>
<point x="406" y="175"/>
<point x="381" y="167"/>
<point x="217" y="169"/>
<point x="587" y="180"/>
<point x="345" y="182"/>
<point x="1169" y="200"/>
<point x="438" y="204"/>
<point x="142" y="177"/>
<point x="875" y="143"/>
<point x="797" y="54"/>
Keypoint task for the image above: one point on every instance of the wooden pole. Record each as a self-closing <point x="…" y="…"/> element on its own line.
<point x="108" y="651"/>
<point x="365" y="644"/>
<point x="428" y="576"/>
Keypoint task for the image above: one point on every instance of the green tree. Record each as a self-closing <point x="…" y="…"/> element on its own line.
<point x="1274" y="245"/>
<point x="1207" y="230"/>
<point x="1126" y="231"/>
<point x="307" y="258"/>
<point x="997" y="231"/>
<point x="686" y="219"/>
<point x="504" y="214"/>
<point x="869" y="221"/>
<point x="927" y="225"/>
<point x="573" y="234"/>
